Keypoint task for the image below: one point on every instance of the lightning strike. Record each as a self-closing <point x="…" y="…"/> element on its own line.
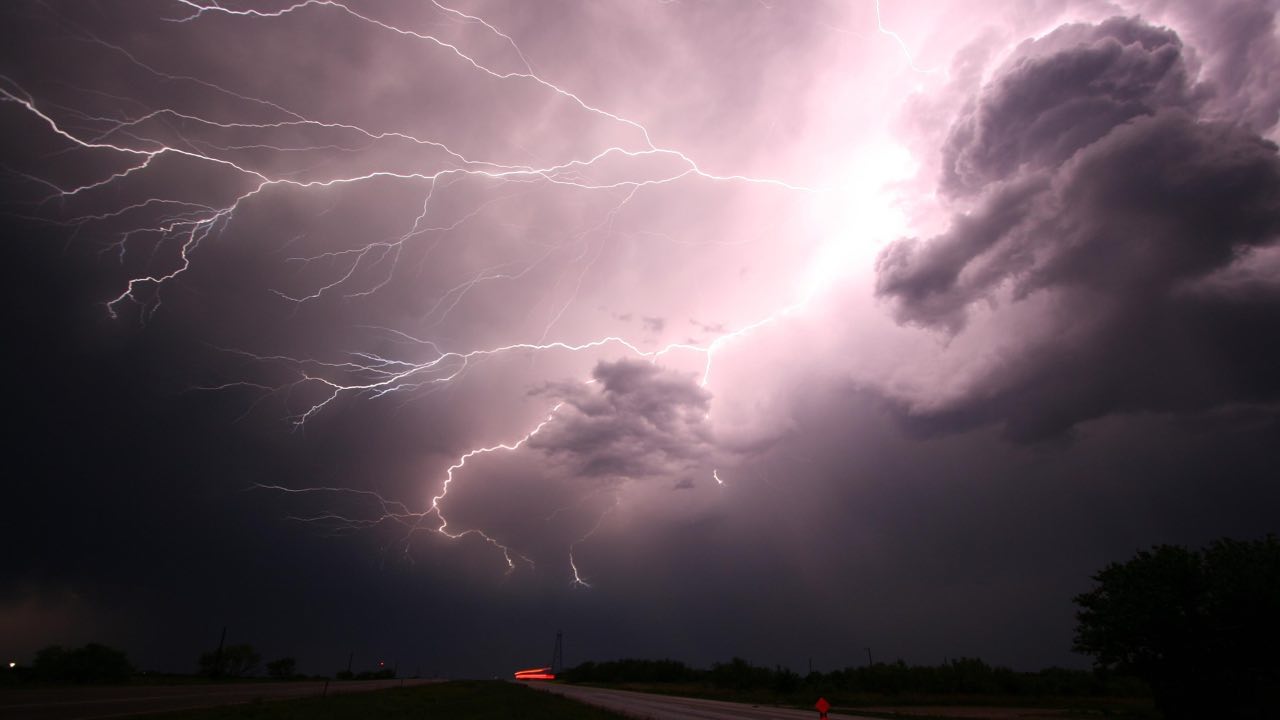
<point x="578" y="581"/>
<point x="906" y="51"/>
<point x="365" y="269"/>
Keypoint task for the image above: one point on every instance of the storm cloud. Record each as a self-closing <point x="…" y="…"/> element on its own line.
<point x="635" y="420"/>
<point x="1100" y="187"/>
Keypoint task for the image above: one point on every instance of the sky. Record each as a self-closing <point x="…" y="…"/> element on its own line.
<point x="418" y="332"/>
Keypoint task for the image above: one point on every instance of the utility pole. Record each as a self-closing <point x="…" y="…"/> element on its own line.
<point x="350" y="657"/>
<point x="870" y="662"/>
<point x="557" y="656"/>
<point x="217" y="659"/>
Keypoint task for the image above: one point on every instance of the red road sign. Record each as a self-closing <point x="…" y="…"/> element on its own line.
<point x="823" y="706"/>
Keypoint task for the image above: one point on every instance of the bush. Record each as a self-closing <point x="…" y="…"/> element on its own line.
<point x="233" y="661"/>
<point x="93" y="663"/>
<point x="282" y="669"/>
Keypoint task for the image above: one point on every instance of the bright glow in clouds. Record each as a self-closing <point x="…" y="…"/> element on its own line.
<point x="861" y="216"/>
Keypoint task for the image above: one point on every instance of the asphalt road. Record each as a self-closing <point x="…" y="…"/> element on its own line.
<point x="664" y="707"/>
<point x="123" y="701"/>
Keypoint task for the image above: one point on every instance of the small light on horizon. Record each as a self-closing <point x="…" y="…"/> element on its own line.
<point x="13" y="664"/>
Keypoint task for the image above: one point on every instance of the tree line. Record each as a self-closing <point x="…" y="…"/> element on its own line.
<point x="99" y="664"/>
<point x="961" y="676"/>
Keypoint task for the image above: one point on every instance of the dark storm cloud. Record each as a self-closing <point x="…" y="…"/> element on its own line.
<point x="1099" y="186"/>
<point x="635" y="420"/>
<point x="1060" y="94"/>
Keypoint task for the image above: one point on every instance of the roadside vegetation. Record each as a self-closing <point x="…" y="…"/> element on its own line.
<point x="960" y="682"/>
<point x="98" y="664"/>
<point x="57" y="665"/>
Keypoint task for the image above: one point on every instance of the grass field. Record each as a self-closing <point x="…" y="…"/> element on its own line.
<point x="463" y="700"/>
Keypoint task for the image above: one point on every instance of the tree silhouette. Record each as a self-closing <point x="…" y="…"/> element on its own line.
<point x="93" y="663"/>
<point x="284" y="668"/>
<point x="237" y="661"/>
<point x="1201" y="627"/>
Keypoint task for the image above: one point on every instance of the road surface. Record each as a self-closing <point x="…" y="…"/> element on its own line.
<point x="123" y="701"/>
<point x="665" y="707"/>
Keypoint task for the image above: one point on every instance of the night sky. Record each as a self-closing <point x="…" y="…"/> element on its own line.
<point x="771" y="329"/>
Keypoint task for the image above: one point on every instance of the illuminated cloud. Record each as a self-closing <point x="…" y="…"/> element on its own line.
<point x="1098" y="185"/>
<point x="636" y="420"/>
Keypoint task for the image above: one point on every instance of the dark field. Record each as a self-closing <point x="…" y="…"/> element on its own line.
<point x="463" y="700"/>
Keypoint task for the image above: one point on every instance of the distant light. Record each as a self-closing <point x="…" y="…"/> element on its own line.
<point x="13" y="664"/>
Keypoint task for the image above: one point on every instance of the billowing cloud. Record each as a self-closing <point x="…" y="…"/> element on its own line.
<point x="635" y="420"/>
<point x="1098" y="186"/>
<point x="1062" y="93"/>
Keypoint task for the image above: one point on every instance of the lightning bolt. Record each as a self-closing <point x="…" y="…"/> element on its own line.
<point x="902" y="44"/>
<point x="138" y="142"/>
<point x="578" y="581"/>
